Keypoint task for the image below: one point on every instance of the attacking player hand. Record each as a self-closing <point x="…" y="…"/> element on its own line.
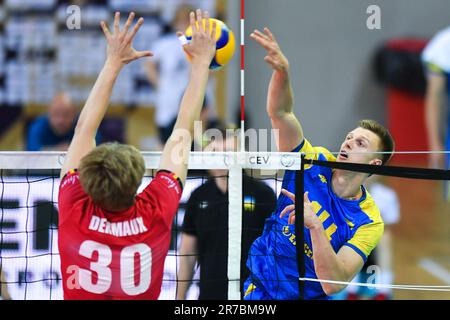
<point x="311" y="220"/>
<point x="274" y="56"/>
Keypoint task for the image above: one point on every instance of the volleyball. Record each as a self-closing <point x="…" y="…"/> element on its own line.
<point x="225" y="45"/>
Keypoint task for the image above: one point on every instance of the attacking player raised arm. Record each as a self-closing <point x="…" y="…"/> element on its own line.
<point x="201" y="51"/>
<point x="280" y="98"/>
<point x="119" y="52"/>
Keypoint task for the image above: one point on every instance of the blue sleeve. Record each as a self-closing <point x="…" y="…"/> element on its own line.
<point x="34" y="140"/>
<point x="98" y="138"/>
<point x="299" y="147"/>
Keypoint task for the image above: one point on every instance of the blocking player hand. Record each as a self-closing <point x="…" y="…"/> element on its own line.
<point x="120" y="48"/>
<point x="274" y="56"/>
<point x="202" y="47"/>
<point x="311" y="220"/>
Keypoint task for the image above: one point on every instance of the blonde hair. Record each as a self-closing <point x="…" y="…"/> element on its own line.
<point x="386" y="141"/>
<point x="111" y="174"/>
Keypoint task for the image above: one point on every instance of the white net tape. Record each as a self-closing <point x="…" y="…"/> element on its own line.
<point x="197" y="160"/>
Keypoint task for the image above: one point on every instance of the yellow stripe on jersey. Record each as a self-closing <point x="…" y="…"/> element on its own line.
<point x="369" y="207"/>
<point x="367" y="236"/>
<point x="250" y="289"/>
<point x="312" y="153"/>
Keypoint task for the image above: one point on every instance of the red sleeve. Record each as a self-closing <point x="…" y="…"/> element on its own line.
<point x="164" y="192"/>
<point x="70" y="191"/>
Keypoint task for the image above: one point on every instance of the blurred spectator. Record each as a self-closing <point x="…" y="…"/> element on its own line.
<point x="168" y="72"/>
<point x="379" y="263"/>
<point x="54" y="130"/>
<point x="4" y="294"/>
<point x="436" y="57"/>
<point x="204" y="237"/>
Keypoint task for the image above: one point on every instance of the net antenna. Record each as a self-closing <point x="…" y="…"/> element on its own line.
<point x="300" y="225"/>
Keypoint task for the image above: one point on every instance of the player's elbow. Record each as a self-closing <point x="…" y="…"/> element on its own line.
<point x="331" y="289"/>
<point x="277" y="115"/>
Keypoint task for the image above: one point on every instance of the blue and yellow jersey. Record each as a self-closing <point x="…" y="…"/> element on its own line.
<point x="353" y="223"/>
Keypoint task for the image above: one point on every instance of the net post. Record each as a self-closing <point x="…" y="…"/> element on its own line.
<point x="234" y="230"/>
<point x="300" y="225"/>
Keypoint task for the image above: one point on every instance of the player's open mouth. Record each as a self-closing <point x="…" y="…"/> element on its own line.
<point x="343" y="154"/>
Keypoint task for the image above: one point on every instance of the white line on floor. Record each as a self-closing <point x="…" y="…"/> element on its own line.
<point x="435" y="269"/>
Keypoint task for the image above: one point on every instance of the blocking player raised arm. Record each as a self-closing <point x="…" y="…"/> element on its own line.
<point x="280" y="98"/>
<point x="201" y="51"/>
<point x="119" y="52"/>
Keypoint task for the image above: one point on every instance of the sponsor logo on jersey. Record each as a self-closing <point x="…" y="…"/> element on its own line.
<point x="322" y="178"/>
<point x="171" y="183"/>
<point x="71" y="178"/>
<point x="249" y="203"/>
<point x="203" y="204"/>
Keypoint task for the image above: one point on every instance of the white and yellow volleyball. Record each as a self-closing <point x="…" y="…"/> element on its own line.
<point x="225" y="43"/>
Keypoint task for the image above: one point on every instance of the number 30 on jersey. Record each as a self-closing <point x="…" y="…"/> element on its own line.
<point x="101" y="256"/>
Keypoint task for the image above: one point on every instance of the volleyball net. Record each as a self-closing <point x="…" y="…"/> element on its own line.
<point x="29" y="256"/>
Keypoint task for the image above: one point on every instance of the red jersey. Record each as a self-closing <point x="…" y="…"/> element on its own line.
<point x="115" y="255"/>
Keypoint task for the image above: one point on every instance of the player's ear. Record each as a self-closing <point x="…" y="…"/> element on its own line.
<point x="376" y="162"/>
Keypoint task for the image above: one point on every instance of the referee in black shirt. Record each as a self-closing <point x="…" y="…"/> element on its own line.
<point x="204" y="237"/>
